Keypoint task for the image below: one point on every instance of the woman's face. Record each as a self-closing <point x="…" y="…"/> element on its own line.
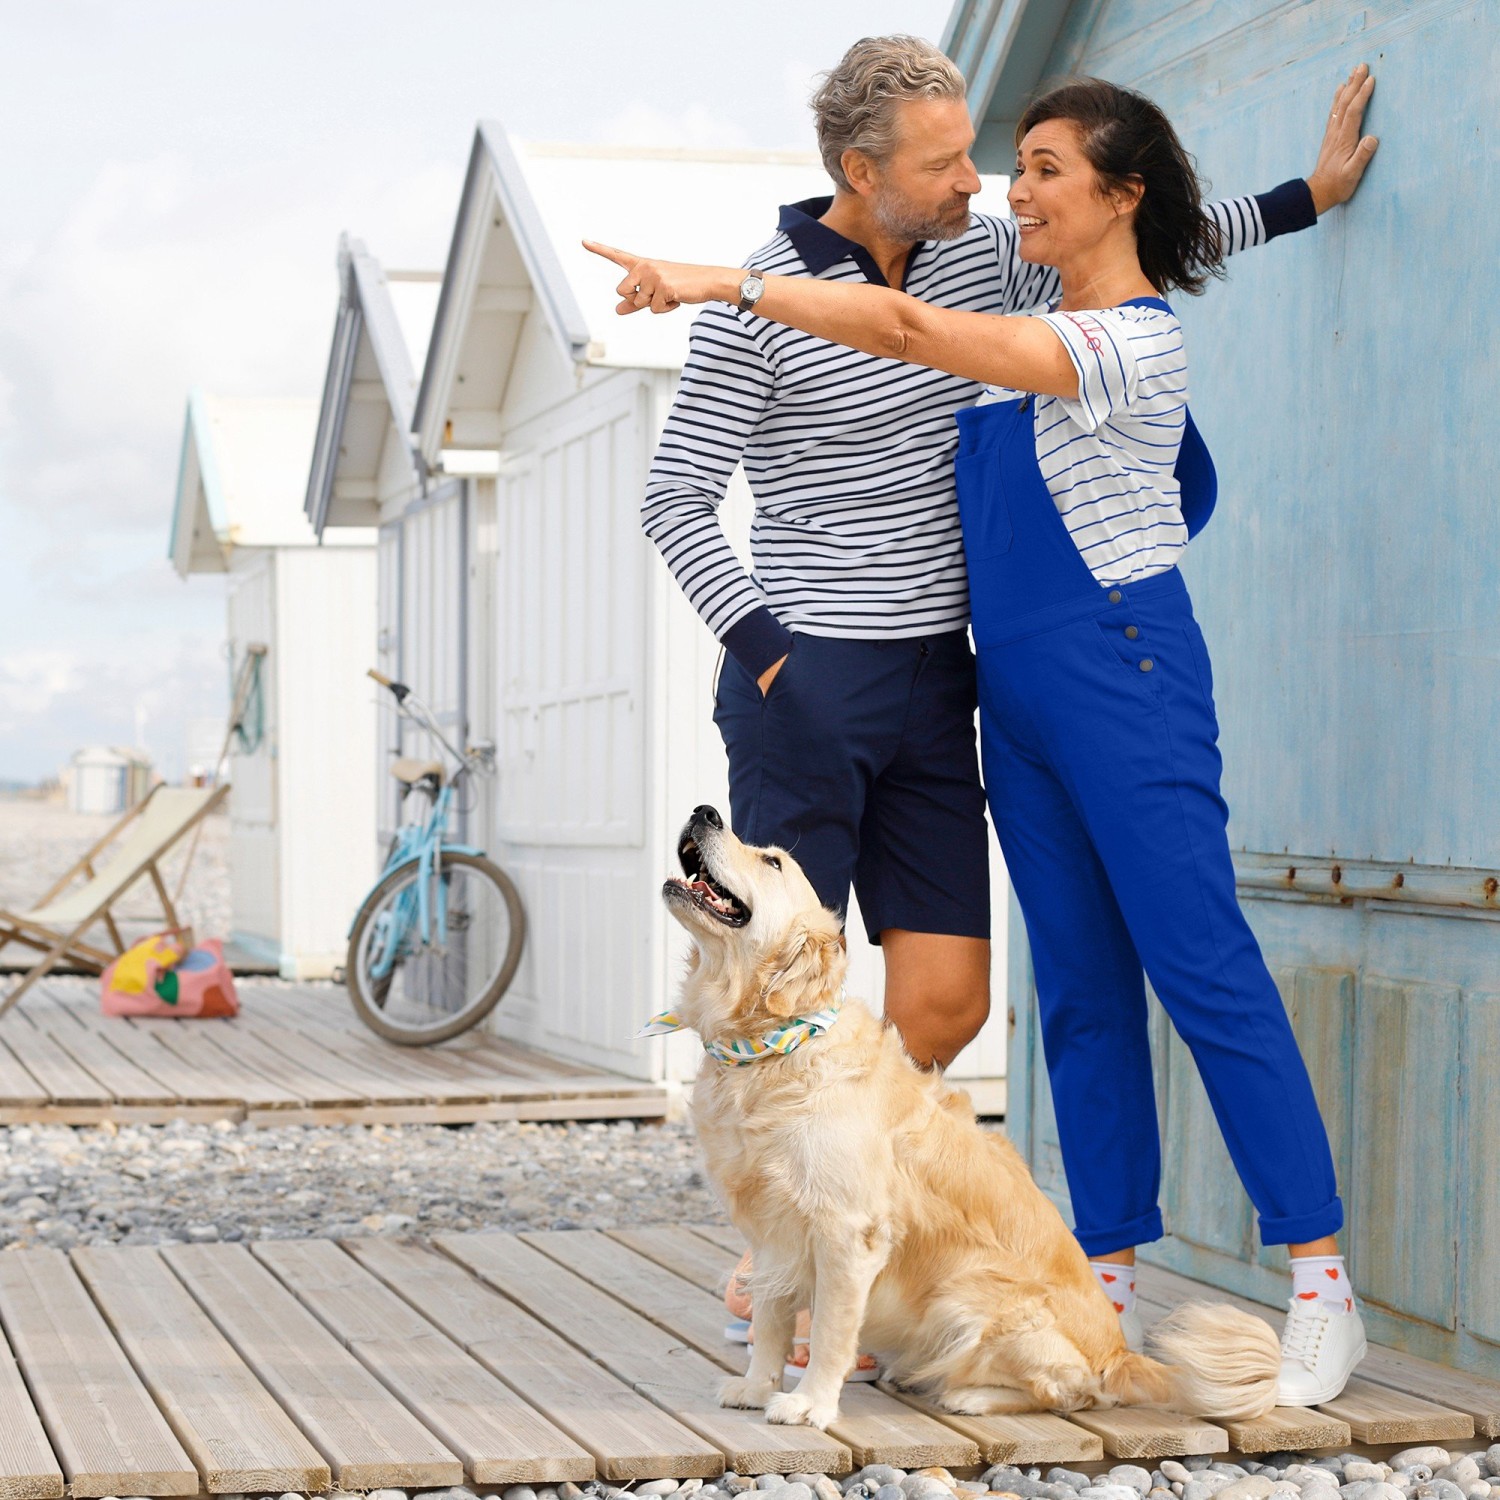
<point x="1056" y="198"/>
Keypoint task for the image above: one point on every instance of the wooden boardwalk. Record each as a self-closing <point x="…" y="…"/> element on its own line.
<point x="493" y="1358"/>
<point x="295" y="1055"/>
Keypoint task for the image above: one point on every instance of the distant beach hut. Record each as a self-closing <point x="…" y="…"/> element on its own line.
<point x="302" y="847"/>
<point x="366" y="474"/>
<point x="578" y="654"/>
<point x="103" y="779"/>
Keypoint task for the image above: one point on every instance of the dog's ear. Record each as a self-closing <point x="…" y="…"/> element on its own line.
<point x="804" y="971"/>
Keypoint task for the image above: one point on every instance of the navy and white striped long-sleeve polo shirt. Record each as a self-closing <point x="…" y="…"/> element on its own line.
<point x="849" y="456"/>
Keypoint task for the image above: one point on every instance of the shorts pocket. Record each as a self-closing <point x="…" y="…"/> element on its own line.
<point x="1198" y="651"/>
<point x="771" y="691"/>
<point x="982" y="508"/>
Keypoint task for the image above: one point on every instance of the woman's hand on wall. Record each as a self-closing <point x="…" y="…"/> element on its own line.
<point x="1345" y="153"/>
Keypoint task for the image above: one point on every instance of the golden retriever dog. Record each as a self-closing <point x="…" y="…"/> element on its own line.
<point x="868" y="1191"/>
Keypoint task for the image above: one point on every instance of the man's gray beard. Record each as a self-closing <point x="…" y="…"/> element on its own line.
<point x="897" y="217"/>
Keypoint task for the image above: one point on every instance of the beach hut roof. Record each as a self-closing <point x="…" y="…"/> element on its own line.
<point x="1002" y="51"/>
<point x="241" y="479"/>
<point x="516" y="251"/>
<point x="379" y="345"/>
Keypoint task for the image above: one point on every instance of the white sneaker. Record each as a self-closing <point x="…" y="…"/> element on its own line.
<point x="1134" y="1331"/>
<point x="1320" y="1347"/>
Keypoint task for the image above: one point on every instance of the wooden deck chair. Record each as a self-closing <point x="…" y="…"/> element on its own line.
<point x="56" y="927"/>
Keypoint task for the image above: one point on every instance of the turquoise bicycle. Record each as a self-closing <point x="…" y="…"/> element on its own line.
<point x="437" y="941"/>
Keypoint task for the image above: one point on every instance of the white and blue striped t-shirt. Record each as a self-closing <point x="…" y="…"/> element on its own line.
<point x="849" y="456"/>
<point x="1107" y="457"/>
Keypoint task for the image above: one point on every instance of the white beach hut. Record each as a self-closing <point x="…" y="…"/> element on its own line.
<point x="302" y="841"/>
<point x="582" y="659"/>
<point x="366" y="474"/>
<point x="105" y="779"/>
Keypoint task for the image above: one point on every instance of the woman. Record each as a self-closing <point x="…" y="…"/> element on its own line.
<point x="1078" y="491"/>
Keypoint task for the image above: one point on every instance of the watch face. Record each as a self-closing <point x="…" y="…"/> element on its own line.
<point x="751" y="287"/>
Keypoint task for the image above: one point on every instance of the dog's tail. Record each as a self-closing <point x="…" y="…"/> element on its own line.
<point x="1215" y="1361"/>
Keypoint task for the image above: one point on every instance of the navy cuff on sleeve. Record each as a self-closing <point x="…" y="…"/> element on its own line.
<point x="758" y="641"/>
<point x="1287" y="208"/>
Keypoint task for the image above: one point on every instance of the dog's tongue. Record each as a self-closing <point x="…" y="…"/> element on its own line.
<point x="702" y="885"/>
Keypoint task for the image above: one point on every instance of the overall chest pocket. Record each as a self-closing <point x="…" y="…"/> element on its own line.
<point x="982" y="508"/>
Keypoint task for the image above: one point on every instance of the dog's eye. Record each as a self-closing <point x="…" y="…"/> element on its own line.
<point x="771" y="860"/>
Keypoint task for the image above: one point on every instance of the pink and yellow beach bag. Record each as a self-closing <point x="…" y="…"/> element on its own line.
<point x="166" y="975"/>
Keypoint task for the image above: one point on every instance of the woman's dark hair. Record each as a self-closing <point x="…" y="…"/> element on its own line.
<point x="1128" y="140"/>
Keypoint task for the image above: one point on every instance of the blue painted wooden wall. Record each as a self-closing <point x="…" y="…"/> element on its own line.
<point x="1349" y="587"/>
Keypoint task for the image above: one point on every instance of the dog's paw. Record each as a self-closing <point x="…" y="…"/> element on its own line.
<point x="793" y="1409"/>
<point x="744" y="1392"/>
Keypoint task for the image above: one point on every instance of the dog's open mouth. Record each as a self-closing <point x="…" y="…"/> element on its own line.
<point x="706" y="893"/>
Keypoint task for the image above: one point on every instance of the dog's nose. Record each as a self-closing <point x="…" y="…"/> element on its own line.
<point x="709" y="815"/>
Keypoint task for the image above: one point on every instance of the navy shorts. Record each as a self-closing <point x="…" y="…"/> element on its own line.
<point x="861" y="762"/>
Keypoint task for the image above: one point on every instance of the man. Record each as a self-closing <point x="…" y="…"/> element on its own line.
<point x="847" y="698"/>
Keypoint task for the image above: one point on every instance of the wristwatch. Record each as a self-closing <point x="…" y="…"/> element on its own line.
<point x="752" y="288"/>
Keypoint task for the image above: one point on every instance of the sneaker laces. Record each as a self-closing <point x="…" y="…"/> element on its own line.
<point x="1302" y="1337"/>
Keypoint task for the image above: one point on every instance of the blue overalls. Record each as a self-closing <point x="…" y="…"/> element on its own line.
<point x="1101" y="764"/>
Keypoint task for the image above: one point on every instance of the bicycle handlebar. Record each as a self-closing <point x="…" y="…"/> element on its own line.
<point x="399" y="690"/>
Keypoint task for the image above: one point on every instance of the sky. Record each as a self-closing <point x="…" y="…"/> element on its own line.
<point x="175" y="176"/>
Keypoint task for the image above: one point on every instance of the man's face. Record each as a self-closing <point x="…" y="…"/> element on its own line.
<point x="922" y="190"/>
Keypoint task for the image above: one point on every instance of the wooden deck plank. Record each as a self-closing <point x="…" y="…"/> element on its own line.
<point x="310" y="1084"/>
<point x="219" y="1072"/>
<point x="1025" y="1438"/>
<point x="629" y="1437"/>
<point x="1454" y="1390"/>
<point x="682" y="1252"/>
<point x="877" y="1428"/>
<point x="438" y="1080"/>
<point x="450" y="1072"/>
<point x="1377" y="1414"/>
<point x="1289" y="1429"/>
<point x="66" y="1081"/>
<point x="90" y="1047"/>
<point x="725" y="1236"/>
<point x="231" y="1427"/>
<point x="377" y="1088"/>
<point x="28" y="1469"/>
<point x="693" y="1315"/>
<point x="658" y="1365"/>
<point x="501" y="1439"/>
<point x="18" y="1089"/>
<point x="106" y="1432"/>
<point x="367" y="1436"/>
<point x="1148" y="1432"/>
<point x="164" y="1065"/>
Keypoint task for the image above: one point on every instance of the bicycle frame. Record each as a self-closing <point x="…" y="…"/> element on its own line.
<point x="423" y="841"/>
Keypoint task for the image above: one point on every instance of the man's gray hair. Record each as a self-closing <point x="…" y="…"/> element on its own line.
<point x="855" y="105"/>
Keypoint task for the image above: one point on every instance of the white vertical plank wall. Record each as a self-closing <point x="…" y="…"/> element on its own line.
<point x="255" y="891"/>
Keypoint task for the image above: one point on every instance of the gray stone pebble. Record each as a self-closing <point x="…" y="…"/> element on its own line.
<point x="797" y="1491"/>
<point x="890" y="1492"/>
<point x="824" y="1488"/>
<point x="651" y="1487"/>
<point x="1460" y="1471"/>
<point x="770" y="1481"/>
<point x="1433" y="1457"/>
<point x="1251" y="1487"/>
<point x="1132" y="1476"/>
<point x="1110" y="1492"/>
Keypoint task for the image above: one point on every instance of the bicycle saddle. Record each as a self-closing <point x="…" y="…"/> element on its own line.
<point x="410" y="770"/>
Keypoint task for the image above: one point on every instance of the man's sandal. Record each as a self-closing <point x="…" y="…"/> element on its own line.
<point x="739" y="1331"/>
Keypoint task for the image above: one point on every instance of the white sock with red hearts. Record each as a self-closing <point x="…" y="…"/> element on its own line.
<point x="1322" y="1278"/>
<point x="1118" y="1283"/>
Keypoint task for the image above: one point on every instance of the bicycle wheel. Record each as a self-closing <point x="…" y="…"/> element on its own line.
<point x="417" y="987"/>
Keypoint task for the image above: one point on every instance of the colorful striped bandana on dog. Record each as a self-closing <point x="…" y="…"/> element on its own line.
<point x="748" y="1049"/>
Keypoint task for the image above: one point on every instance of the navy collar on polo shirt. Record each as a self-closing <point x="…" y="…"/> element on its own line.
<point x="821" y="247"/>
